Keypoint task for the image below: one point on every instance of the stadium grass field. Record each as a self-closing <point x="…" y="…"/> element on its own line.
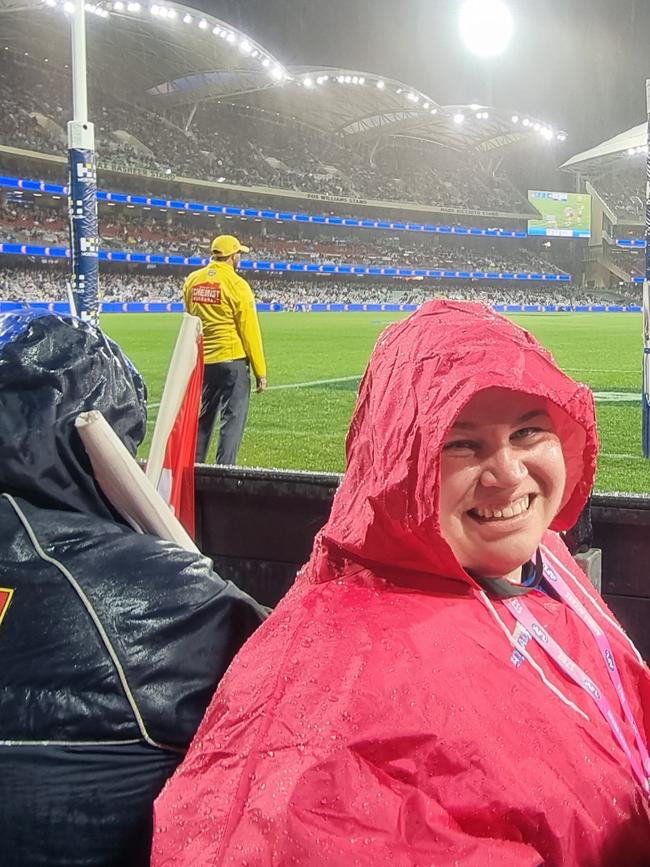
<point x="316" y="360"/>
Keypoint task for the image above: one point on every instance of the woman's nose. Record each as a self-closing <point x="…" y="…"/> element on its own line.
<point x="503" y="468"/>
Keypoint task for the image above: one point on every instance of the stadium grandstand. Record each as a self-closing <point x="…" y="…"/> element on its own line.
<point x="188" y="109"/>
<point x="613" y="173"/>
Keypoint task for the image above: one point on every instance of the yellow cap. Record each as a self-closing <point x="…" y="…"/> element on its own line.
<point x="226" y="245"/>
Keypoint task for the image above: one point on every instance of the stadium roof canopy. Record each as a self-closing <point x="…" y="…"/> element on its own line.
<point x="173" y="55"/>
<point x="608" y="156"/>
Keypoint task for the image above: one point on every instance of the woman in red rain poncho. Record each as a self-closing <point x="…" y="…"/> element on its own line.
<point x="442" y="686"/>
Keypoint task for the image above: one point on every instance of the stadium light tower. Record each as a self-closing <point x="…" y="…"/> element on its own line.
<point x="486" y="26"/>
<point x="82" y="188"/>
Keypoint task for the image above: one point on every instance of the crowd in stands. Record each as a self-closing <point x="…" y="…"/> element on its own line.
<point x="631" y="261"/>
<point x="624" y="191"/>
<point x="137" y="230"/>
<point x="48" y="283"/>
<point x="236" y="145"/>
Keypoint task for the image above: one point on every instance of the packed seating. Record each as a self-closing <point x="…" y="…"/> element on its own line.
<point x="48" y="283"/>
<point x="623" y="191"/>
<point x="631" y="261"/>
<point x="242" y="146"/>
<point x="178" y="234"/>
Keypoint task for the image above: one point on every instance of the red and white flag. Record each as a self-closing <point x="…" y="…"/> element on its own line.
<point x="173" y="447"/>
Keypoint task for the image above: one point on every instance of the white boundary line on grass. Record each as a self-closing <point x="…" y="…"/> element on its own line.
<point x="297" y="385"/>
<point x="314" y="382"/>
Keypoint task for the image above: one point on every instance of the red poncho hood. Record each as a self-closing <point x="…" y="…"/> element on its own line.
<point x="423" y="371"/>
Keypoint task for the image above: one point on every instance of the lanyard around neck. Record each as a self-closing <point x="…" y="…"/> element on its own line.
<point x="524" y="616"/>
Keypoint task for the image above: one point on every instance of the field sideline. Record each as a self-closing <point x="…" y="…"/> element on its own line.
<point x="316" y="359"/>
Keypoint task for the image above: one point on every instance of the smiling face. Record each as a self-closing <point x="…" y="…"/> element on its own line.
<point x="502" y="479"/>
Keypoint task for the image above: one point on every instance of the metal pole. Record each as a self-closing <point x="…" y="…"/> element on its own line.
<point x="82" y="196"/>
<point x="79" y="89"/>
<point x="645" y="431"/>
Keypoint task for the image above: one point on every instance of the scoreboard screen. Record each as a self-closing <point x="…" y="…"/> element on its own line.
<point x="562" y="215"/>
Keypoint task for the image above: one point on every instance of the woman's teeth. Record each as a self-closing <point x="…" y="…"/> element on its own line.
<point x="508" y="511"/>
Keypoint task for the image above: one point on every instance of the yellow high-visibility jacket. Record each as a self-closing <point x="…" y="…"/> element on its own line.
<point x="225" y="304"/>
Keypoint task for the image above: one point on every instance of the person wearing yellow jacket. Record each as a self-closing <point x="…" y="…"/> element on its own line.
<point x="232" y="343"/>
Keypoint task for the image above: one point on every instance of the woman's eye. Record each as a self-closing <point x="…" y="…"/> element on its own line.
<point x="459" y="445"/>
<point x="526" y="432"/>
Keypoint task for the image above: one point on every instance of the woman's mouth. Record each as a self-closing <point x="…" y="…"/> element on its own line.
<point x="502" y="512"/>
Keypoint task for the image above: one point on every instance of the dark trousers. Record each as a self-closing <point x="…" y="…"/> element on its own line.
<point x="226" y="391"/>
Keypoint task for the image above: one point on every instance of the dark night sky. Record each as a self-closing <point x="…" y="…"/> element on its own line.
<point x="577" y="64"/>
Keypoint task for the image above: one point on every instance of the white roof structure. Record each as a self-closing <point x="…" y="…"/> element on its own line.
<point x="172" y="55"/>
<point x="603" y="157"/>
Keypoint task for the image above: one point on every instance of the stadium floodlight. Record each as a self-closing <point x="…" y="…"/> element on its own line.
<point x="380" y="85"/>
<point x="434" y="111"/>
<point x="486" y="26"/>
<point x="245" y="47"/>
<point x="308" y="82"/>
<point x="266" y="62"/>
<point x="526" y="122"/>
<point x="459" y="118"/>
<point x="561" y="136"/>
<point x="118" y="6"/>
<point x="425" y="105"/>
<point x="277" y="73"/>
<point x="230" y="37"/>
<point x="68" y="7"/>
<point x="203" y="24"/>
<point x="536" y="127"/>
<point x="515" y="118"/>
<point x="187" y="18"/>
<point x="362" y="80"/>
<point x="172" y="14"/>
<point x="50" y="3"/>
<point x="134" y="6"/>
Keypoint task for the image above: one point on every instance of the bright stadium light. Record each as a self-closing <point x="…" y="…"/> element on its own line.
<point x="459" y="118"/>
<point x="203" y="24"/>
<point x="486" y="26"/>
<point x="187" y="18"/>
<point x="515" y="118"/>
<point x="380" y="85"/>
